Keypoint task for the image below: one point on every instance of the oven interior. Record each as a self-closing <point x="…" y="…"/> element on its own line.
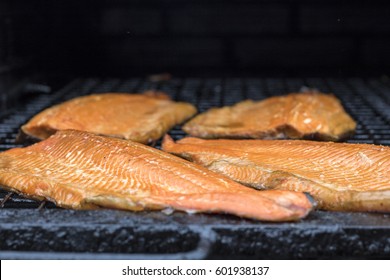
<point x="214" y="54"/>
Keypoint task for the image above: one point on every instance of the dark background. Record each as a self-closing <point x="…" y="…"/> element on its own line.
<point x="194" y="37"/>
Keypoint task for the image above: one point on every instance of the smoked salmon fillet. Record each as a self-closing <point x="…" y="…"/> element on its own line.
<point x="293" y="116"/>
<point x="81" y="170"/>
<point x="339" y="176"/>
<point x="142" y="118"/>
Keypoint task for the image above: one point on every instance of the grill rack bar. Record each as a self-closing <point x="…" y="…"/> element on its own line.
<point x="366" y="100"/>
<point x="4" y="200"/>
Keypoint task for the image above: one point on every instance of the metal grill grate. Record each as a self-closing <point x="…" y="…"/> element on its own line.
<point x="367" y="101"/>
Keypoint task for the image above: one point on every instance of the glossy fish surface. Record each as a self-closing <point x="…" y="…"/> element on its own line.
<point x="339" y="176"/>
<point x="142" y="118"/>
<point x="311" y="115"/>
<point x="82" y="170"/>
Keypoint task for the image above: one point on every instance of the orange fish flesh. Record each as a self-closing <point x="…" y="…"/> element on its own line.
<point x="339" y="176"/>
<point x="142" y="118"/>
<point x="81" y="170"/>
<point x="309" y="115"/>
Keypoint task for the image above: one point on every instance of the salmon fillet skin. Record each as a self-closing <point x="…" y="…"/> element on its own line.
<point x="82" y="170"/>
<point x="142" y="118"/>
<point x="339" y="176"/>
<point x="308" y="115"/>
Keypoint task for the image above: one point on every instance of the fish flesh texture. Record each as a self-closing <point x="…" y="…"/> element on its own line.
<point x="142" y="118"/>
<point x="308" y="115"/>
<point x="339" y="176"/>
<point x="82" y="170"/>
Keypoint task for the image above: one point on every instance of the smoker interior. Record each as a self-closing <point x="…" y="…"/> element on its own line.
<point x="40" y="230"/>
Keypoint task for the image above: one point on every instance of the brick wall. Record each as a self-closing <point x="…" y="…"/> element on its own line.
<point x="115" y="37"/>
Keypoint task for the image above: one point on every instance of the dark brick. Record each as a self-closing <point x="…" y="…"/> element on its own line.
<point x="160" y="53"/>
<point x="345" y="19"/>
<point x="227" y="19"/>
<point x="295" y="52"/>
<point x="131" y="21"/>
